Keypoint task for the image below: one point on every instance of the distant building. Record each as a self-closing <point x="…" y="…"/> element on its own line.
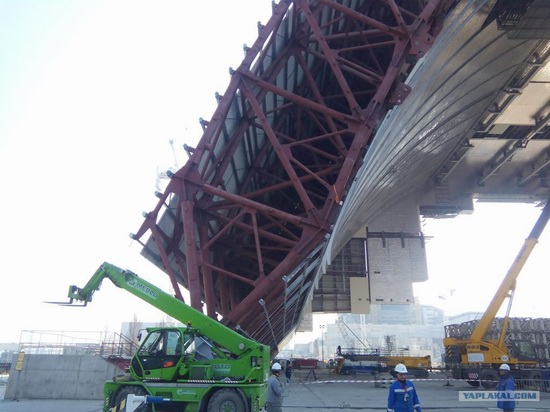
<point x="413" y="328"/>
<point x="6" y="357"/>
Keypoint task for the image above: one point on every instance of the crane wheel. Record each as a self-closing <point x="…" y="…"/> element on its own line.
<point x="489" y="378"/>
<point x="226" y="400"/>
<point x="421" y="374"/>
<point x="533" y="381"/>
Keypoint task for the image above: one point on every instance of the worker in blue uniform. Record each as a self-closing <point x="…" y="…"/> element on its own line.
<point x="402" y="396"/>
<point x="506" y="387"/>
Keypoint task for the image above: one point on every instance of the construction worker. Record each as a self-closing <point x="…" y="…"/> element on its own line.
<point x="288" y="373"/>
<point x="402" y="396"/>
<point x="506" y="387"/>
<point x="274" y="399"/>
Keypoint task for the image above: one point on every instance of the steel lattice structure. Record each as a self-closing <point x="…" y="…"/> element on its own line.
<point x="243" y="224"/>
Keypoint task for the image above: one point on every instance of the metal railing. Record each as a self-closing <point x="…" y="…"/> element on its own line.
<point x="104" y="344"/>
<point x="542" y="385"/>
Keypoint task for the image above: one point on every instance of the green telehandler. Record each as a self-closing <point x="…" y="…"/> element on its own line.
<point x="203" y="366"/>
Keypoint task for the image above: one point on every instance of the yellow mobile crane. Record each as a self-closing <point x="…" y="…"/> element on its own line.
<point x="476" y="359"/>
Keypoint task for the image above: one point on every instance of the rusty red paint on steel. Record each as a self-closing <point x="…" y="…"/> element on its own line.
<point x="262" y="188"/>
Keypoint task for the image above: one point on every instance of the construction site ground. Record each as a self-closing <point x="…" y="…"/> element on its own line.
<point x="326" y="393"/>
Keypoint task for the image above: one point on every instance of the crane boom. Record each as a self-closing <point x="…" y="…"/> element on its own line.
<point x="508" y="284"/>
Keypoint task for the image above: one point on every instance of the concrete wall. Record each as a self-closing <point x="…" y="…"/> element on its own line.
<point x="59" y="377"/>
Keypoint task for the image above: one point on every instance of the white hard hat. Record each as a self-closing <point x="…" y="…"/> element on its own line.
<point x="504" y="367"/>
<point x="400" y="368"/>
<point x="276" y="366"/>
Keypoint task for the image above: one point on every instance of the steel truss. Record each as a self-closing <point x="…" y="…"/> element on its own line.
<point x="244" y="223"/>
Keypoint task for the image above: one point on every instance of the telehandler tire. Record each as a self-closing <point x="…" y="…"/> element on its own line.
<point x="123" y="393"/>
<point x="226" y="400"/>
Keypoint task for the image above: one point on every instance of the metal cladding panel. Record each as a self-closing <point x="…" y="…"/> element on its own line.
<point x="484" y="152"/>
<point x="394" y="265"/>
<point x="397" y="257"/>
<point x="453" y="87"/>
<point x="306" y="325"/>
<point x="525" y="109"/>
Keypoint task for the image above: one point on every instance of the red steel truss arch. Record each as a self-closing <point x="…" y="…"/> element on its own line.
<point x="244" y="223"/>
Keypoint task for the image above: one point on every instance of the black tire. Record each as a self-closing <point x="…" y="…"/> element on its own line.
<point x="226" y="400"/>
<point x="123" y="393"/>
<point x="534" y="381"/>
<point x="535" y="376"/>
<point x="421" y="374"/>
<point x="489" y="378"/>
<point x="473" y="383"/>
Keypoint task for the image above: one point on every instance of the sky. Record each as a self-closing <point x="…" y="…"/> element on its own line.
<point x="92" y="93"/>
<point x="469" y="256"/>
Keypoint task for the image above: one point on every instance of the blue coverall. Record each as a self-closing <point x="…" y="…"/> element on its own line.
<point x="506" y="385"/>
<point x="403" y="397"/>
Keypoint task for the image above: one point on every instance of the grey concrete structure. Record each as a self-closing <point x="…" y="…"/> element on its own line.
<point x="59" y="377"/>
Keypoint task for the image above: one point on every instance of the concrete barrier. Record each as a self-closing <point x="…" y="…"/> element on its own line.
<point x="59" y="377"/>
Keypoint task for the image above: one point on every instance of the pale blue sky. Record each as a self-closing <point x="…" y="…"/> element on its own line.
<point x="91" y="94"/>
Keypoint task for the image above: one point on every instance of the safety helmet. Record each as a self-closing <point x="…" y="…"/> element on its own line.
<point x="400" y="368"/>
<point x="504" y="367"/>
<point x="276" y="367"/>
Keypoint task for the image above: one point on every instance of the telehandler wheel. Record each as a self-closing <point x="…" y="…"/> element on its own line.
<point x="123" y="393"/>
<point x="226" y="400"/>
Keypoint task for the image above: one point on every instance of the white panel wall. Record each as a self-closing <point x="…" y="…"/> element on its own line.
<point x="396" y="253"/>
